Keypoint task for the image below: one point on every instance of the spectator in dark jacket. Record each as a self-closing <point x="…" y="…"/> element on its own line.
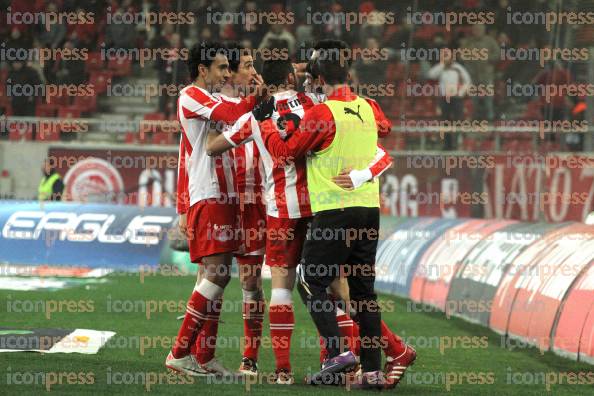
<point x="23" y="85"/>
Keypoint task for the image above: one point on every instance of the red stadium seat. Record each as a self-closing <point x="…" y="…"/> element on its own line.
<point x="70" y="112"/>
<point x="4" y="102"/>
<point x="413" y="71"/>
<point x="120" y="66"/>
<point x="58" y="99"/>
<point x="154" y="116"/>
<point x="46" y="110"/>
<point x="532" y="111"/>
<point x="395" y="71"/>
<point x="130" y="137"/>
<point x="143" y="137"/>
<point x="468" y="108"/>
<point x="16" y="133"/>
<point x="487" y="145"/>
<point x="469" y="144"/>
<point x="162" y="138"/>
<point x="152" y="127"/>
<point x="88" y="104"/>
<point x="94" y="62"/>
<point x="100" y="80"/>
<point x="51" y="135"/>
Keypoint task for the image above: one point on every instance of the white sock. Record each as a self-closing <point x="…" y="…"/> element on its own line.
<point x="209" y="289"/>
<point x="251" y="295"/>
<point x="281" y="297"/>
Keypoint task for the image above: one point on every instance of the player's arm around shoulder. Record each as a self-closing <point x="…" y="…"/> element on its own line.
<point x="350" y="179"/>
<point x="240" y="133"/>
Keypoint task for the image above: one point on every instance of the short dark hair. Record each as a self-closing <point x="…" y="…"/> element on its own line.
<point x="204" y="53"/>
<point x="234" y="53"/>
<point x="332" y="60"/>
<point x="275" y="71"/>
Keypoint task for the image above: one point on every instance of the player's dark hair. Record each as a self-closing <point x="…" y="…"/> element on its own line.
<point x="275" y="71"/>
<point x="204" y="53"/>
<point x="312" y="68"/>
<point x="234" y="53"/>
<point x="332" y="61"/>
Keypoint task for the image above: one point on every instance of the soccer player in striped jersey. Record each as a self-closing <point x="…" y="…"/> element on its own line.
<point x="252" y="211"/>
<point x="319" y="138"/>
<point x="287" y="200"/>
<point x="210" y="205"/>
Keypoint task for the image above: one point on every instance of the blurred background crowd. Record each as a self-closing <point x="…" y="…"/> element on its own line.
<point x="397" y="68"/>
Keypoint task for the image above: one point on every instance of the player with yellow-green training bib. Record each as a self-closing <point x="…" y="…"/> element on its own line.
<point x="337" y="136"/>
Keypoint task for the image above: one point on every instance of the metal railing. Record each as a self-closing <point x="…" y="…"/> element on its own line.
<point x="111" y="128"/>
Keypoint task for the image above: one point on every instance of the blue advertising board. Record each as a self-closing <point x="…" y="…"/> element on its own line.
<point x="399" y="254"/>
<point x="122" y="237"/>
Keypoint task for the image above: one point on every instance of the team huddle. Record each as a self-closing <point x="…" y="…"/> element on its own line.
<point x="274" y="164"/>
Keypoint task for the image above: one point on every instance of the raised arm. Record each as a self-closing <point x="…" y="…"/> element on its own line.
<point x="197" y="104"/>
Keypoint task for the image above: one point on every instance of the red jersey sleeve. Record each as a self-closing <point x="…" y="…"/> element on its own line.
<point x="230" y="112"/>
<point x="315" y="129"/>
<point x="384" y="125"/>
<point x="381" y="162"/>
<point x="241" y="131"/>
<point x="197" y="103"/>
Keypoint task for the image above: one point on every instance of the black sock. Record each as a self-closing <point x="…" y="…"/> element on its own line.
<point x="323" y="313"/>
<point x="370" y="330"/>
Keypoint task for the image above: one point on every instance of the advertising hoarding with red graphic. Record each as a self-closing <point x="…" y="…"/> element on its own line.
<point x="578" y="304"/>
<point x="550" y="188"/>
<point x="440" y="263"/>
<point x="503" y="301"/>
<point x="144" y="177"/>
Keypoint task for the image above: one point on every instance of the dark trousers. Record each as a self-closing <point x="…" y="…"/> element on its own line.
<point x="343" y="240"/>
<point x="451" y="110"/>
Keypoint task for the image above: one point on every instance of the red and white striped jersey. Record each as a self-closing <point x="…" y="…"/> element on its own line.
<point x="199" y="175"/>
<point x="285" y="184"/>
<point x="249" y="173"/>
<point x="248" y="166"/>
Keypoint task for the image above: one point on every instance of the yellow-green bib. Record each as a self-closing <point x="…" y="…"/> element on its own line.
<point x="354" y="146"/>
<point x="46" y="187"/>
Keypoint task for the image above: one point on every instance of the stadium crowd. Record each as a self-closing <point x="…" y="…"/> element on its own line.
<point x="415" y="26"/>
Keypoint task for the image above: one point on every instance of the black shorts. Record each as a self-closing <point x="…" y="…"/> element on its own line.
<point x="342" y="242"/>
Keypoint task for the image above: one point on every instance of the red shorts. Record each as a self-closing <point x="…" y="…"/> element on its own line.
<point x="253" y="233"/>
<point x="213" y="228"/>
<point x="284" y="241"/>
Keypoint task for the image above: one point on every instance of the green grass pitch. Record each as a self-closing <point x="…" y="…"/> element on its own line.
<point x="449" y="359"/>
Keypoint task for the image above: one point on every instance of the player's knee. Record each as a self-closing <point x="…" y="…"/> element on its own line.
<point x="250" y="283"/>
<point x="221" y="280"/>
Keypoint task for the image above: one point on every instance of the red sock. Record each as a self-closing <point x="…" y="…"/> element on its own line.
<point x="253" y="316"/>
<point x="394" y="344"/>
<point x="282" y="321"/>
<point x="196" y="315"/>
<point x="345" y="325"/>
<point x="356" y="340"/>
<point x="206" y="341"/>
<point x="323" y="351"/>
